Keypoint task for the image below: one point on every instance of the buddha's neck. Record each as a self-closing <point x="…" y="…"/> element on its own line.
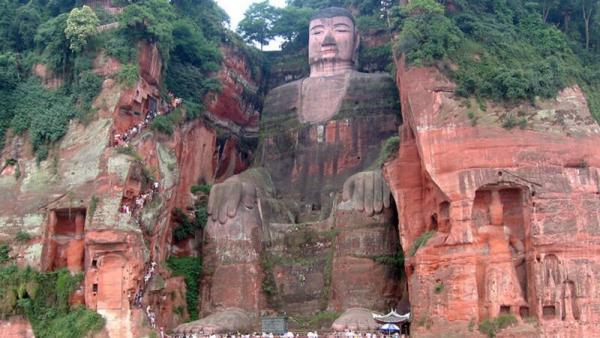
<point x="330" y="68"/>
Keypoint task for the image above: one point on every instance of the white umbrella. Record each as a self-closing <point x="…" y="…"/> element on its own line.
<point x="389" y="328"/>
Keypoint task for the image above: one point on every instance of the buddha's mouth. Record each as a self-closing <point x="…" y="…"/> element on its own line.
<point x="329" y="50"/>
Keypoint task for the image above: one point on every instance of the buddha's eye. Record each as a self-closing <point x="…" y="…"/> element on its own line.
<point x="341" y="28"/>
<point x="317" y="32"/>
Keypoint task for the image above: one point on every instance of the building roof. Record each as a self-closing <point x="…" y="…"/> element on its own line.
<point x="392" y="317"/>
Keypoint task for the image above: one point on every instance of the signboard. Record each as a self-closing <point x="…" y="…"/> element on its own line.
<point x="275" y="325"/>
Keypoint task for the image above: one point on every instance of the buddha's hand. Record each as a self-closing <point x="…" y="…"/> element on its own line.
<point x="226" y="197"/>
<point x="368" y="192"/>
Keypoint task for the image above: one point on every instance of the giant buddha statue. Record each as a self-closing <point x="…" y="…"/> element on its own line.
<point x="319" y="141"/>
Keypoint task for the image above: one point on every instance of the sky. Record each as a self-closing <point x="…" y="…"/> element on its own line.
<point x="236" y="8"/>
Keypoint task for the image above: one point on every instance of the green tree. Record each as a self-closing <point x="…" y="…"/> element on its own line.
<point x="151" y="20"/>
<point x="193" y="58"/>
<point x="426" y="35"/>
<point x="9" y="79"/>
<point x="317" y="4"/>
<point x="81" y="25"/>
<point x="50" y="39"/>
<point x="258" y="23"/>
<point x="57" y="7"/>
<point x="292" y="25"/>
<point x="423" y="7"/>
<point x="26" y="22"/>
<point x="547" y="6"/>
<point x="587" y="8"/>
<point x="206" y="14"/>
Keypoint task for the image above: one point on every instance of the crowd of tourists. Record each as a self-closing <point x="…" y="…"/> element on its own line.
<point x="352" y="334"/>
<point x="139" y="294"/>
<point x="120" y="140"/>
<point x="253" y="335"/>
<point x="311" y="334"/>
<point x="127" y="207"/>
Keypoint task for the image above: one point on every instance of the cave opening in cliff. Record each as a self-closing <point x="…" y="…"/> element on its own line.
<point x="401" y="274"/>
<point x="64" y="239"/>
<point x="549" y="312"/>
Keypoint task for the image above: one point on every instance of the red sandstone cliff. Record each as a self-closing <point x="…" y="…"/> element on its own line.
<point x="73" y="205"/>
<point x="515" y="212"/>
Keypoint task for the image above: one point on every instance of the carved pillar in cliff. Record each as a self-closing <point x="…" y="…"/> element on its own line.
<point x="76" y="245"/>
<point x="50" y="245"/>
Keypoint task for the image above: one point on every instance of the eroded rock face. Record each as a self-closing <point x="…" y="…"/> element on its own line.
<point x="17" y="328"/>
<point x="236" y="105"/>
<point x="73" y="204"/>
<point x="514" y="211"/>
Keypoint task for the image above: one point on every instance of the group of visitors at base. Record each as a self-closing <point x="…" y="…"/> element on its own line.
<point x="346" y="334"/>
<point x="253" y="335"/>
<point x="352" y="334"/>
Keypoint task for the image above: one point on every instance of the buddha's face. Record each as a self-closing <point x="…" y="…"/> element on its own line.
<point x="332" y="40"/>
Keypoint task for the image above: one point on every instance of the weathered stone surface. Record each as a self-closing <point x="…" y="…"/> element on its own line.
<point x="235" y="107"/>
<point x="49" y="79"/>
<point x="150" y="62"/>
<point x="514" y="210"/>
<point x="16" y="328"/>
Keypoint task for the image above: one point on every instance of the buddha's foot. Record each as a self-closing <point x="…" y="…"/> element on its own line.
<point x="231" y="320"/>
<point x="355" y="319"/>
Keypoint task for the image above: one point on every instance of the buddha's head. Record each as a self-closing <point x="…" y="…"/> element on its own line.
<point x="333" y="42"/>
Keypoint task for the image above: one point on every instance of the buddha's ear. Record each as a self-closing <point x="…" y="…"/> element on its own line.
<point x="356" y="48"/>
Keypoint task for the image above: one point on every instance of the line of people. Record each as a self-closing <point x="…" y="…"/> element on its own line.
<point x="352" y="334"/>
<point x="139" y="295"/>
<point x="133" y="131"/>
<point x="139" y="201"/>
<point x="348" y="334"/>
<point x="288" y="334"/>
<point x="122" y="139"/>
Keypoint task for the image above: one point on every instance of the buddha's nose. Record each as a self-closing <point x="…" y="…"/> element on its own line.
<point x="328" y="40"/>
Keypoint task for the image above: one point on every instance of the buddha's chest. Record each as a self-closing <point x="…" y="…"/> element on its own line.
<point x="321" y="98"/>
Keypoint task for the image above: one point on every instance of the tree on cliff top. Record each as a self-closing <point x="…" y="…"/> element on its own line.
<point x="81" y="25"/>
<point x="258" y="23"/>
<point x="292" y="26"/>
<point x="151" y="20"/>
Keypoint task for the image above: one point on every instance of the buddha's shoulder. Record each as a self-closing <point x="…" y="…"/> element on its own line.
<point x="368" y="80"/>
<point x="290" y="88"/>
<point x="372" y="87"/>
<point x="355" y="75"/>
<point x="283" y="98"/>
